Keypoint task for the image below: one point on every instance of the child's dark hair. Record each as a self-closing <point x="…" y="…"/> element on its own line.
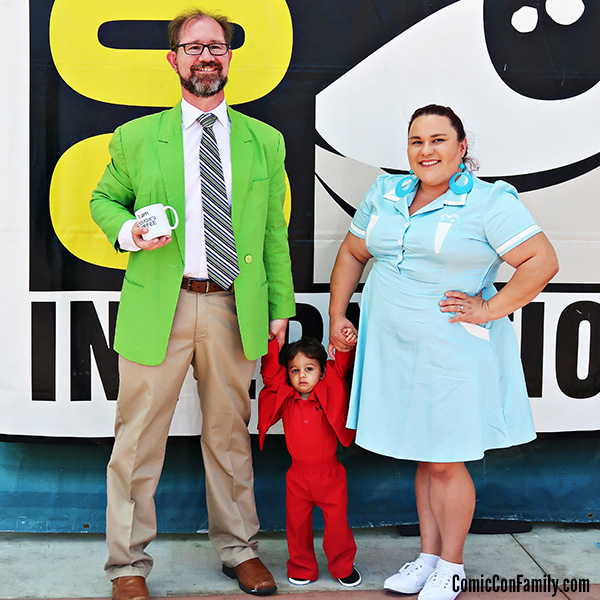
<point x="309" y="346"/>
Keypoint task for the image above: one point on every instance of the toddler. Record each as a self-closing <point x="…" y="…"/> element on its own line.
<point x="309" y="393"/>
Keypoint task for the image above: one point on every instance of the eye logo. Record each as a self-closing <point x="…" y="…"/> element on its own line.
<point x="527" y="97"/>
<point x="549" y="51"/>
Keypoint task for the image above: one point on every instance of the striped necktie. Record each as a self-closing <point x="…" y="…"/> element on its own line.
<point x="221" y="256"/>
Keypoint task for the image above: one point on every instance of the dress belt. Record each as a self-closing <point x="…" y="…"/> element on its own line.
<point x="201" y="286"/>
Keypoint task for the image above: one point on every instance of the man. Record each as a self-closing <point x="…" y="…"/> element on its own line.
<point x="225" y="178"/>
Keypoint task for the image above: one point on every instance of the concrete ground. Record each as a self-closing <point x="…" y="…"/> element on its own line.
<point x="57" y="566"/>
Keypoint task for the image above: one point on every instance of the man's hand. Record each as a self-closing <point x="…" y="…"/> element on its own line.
<point x="140" y="242"/>
<point x="277" y="328"/>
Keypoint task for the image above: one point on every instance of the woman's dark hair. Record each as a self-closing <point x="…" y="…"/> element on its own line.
<point x="309" y="346"/>
<point x="455" y="122"/>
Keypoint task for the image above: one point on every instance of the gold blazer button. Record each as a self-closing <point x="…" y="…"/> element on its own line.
<point x="248" y="258"/>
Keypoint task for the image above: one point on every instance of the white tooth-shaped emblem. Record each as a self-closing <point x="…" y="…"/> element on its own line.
<point x="440" y="235"/>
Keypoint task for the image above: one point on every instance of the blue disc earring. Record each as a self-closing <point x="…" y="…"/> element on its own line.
<point x="461" y="182"/>
<point x="407" y="184"/>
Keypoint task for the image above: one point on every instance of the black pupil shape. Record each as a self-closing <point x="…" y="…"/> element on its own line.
<point x="552" y="62"/>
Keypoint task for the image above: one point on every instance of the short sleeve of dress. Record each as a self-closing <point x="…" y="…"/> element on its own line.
<point x="506" y="221"/>
<point x="366" y="209"/>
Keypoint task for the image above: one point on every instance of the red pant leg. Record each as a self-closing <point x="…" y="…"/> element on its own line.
<point x="299" y="505"/>
<point x="331" y="495"/>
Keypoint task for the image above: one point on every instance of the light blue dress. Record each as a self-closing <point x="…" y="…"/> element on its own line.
<point x="425" y="389"/>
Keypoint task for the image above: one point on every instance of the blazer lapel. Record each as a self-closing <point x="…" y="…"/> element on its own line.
<point x="170" y="158"/>
<point x="242" y="152"/>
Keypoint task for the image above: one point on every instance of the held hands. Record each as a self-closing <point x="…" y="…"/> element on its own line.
<point x="342" y="335"/>
<point x="277" y="328"/>
<point x="351" y="335"/>
<point x="466" y="309"/>
<point x="140" y="242"/>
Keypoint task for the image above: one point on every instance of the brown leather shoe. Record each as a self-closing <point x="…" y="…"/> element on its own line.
<point x="253" y="577"/>
<point x="130" y="588"/>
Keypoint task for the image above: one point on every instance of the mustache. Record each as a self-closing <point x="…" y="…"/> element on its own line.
<point x="210" y="63"/>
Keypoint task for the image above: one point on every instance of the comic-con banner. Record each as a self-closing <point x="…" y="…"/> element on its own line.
<point x="339" y="79"/>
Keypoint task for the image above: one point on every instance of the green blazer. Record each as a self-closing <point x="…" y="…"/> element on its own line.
<point x="147" y="167"/>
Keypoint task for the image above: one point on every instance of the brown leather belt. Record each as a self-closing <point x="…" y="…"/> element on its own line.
<point x="201" y="286"/>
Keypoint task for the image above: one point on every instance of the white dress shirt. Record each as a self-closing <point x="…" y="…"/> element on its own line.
<point x="195" y="254"/>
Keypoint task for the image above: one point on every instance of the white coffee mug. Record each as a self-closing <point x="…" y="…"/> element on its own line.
<point x="154" y="218"/>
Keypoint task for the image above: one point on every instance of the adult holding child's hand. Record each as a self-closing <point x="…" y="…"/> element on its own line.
<point x="438" y="377"/>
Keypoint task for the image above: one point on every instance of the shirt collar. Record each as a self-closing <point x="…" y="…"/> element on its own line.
<point x="190" y="113"/>
<point x="314" y="395"/>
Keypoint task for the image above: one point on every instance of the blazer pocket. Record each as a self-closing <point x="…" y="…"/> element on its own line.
<point x="134" y="283"/>
<point x="257" y="202"/>
<point x="260" y="185"/>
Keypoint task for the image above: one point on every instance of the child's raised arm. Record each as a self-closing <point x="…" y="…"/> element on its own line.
<point x="269" y="365"/>
<point x="271" y="372"/>
<point x="345" y="360"/>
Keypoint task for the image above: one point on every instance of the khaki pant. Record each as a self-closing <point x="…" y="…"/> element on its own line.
<point x="205" y="334"/>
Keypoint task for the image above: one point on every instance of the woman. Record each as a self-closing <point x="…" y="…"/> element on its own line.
<point x="438" y="377"/>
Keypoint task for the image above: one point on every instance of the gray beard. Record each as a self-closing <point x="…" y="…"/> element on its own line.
<point x="203" y="86"/>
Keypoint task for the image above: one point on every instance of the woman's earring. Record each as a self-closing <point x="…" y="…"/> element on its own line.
<point x="461" y="182"/>
<point x="407" y="184"/>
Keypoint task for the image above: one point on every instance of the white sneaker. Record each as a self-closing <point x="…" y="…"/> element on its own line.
<point x="410" y="579"/>
<point x="442" y="584"/>
<point x="299" y="581"/>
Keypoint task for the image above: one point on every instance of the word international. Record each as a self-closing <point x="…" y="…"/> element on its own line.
<point x="520" y="583"/>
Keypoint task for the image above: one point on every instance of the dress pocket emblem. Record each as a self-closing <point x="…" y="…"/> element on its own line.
<point x="447" y="223"/>
<point x="440" y="235"/>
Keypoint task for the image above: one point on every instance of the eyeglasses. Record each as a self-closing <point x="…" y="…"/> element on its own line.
<point x="195" y="49"/>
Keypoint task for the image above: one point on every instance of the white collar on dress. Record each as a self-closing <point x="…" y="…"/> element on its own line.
<point x="451" y="200"/>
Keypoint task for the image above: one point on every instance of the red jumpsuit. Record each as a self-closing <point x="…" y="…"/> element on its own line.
<point x="316" y="477"/>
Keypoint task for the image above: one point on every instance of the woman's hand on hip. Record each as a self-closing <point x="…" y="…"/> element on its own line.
<point x="466" y="309"/>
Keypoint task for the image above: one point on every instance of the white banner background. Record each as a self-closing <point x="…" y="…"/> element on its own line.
<point x="568" y="212"/>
